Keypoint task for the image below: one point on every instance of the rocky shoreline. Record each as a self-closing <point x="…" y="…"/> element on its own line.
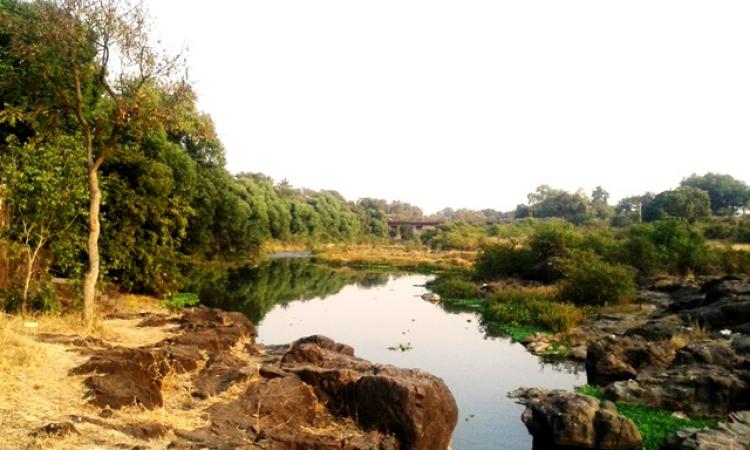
<point x="312" y="393"/>
<point x="685" y="349"/>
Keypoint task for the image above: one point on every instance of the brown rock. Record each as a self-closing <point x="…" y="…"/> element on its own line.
<point x="124" y="376"/>
<point x="566" y="420"/>
<point x="621" y="358"/>
<point x="221" y="371"/>
<point x="415" y="406"/>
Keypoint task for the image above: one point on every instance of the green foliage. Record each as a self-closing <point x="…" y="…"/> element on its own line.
<point x="549" y="239"/>
<point x="537" y="308"/>
<point x="728" y="229"/>
<point x="656" y="424"/>
<point x="548" y="202"/>
<point x="454" y="288"/>
<point x="589" y="280"/>
<point x="670" y="246"/>
<point x="182" y="300"/>
<point x="503" y="260"/>
<point x="455" y="236"/>
<point x="727" y="194"/>
<point x="44" y="185"/>
<point x="687" y="203"/>
<point x="553" y="239"/>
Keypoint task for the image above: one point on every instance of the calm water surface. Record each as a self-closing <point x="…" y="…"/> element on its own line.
<point x="289" y="299"/>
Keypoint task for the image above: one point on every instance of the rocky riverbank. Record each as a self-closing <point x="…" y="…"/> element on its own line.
<point x="312" y="393"/>
<point x="684" y="348"/>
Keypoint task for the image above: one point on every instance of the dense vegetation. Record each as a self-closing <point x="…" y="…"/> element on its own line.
<point x="109" y="171"/>
<point x="85" y="151"/>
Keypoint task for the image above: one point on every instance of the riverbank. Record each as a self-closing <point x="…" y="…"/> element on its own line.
<point x="157" y="378"/>
<point x="677" y="358"/>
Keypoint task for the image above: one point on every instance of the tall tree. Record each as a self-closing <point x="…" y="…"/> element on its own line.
<point x="89" y="63"/>
<point x="728" y="194"/>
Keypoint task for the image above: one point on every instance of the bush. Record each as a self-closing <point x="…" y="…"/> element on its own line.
<point x="553" y="238"/>
<point x="454" y="288"/>
<point x="728" y="260"/>
<point x="669" y="245"/>
<point x="588" y="280"/>
<point x="532" y="307"/>
<point x="503" y="260"/>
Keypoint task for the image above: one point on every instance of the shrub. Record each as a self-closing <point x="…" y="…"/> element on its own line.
<point x="503" y="260"/>
<point x="728" y="260"/>
<point x="533" y="307"/>
<point x="588" y="280"/>
<point x="670" y="245"/>
<point x="454" y="288"/>
<point x="553" y="238"/>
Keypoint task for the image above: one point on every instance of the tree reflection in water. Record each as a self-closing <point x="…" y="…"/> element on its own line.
<point x="254" y="290"/>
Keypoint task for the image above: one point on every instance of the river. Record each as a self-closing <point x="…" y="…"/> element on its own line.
<point x="375" y="312"/>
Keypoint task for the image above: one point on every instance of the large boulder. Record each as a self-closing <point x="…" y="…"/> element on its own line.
<point x="567" y="420"/>
<point x="281" y="413"/>
<point x="733" y="434"/>
<point x="414" y="405"/>
<point x="620" y="358"/>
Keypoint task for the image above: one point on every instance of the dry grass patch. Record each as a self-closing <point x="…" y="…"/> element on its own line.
<point x="396" y="255"/>
<point x="37" y="390"/>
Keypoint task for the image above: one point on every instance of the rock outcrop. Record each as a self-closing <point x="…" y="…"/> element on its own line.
<point x="314" y="393"/>
<point x="567" y="420"/>
<point x="623" y="357"/>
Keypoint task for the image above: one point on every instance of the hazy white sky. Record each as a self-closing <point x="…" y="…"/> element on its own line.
<point x="471" y="103"/>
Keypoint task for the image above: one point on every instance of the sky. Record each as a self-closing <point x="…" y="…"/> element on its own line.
<point x="471" y="103"/>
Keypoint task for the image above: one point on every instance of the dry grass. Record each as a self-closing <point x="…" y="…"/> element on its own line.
<point x="397" y="256"/>
<point x="37" y="390"/>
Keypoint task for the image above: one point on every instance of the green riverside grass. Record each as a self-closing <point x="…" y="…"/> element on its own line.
<point x="654" y="424"/>
<point x="182" y="300"/>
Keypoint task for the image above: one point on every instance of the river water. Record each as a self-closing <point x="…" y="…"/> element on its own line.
<point x="288" y="299"/>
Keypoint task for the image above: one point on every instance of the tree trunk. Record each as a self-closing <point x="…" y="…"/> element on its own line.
<point x="27" y="283"/>
<point x="30" y="263"/>
<point x="92" y="273"/>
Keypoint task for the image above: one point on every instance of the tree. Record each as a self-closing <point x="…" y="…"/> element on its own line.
<point x="728" y="195"/>
<point x="549" y="202"/>
<point x="629" y="209"/>
<point x="599" y="202"/>
<point x="46" y="192"/>
<point x="69" y="48"/>
<point x="686" y="203"/>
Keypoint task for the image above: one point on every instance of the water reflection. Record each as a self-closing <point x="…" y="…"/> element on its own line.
<point x="254" y="290"/>
<point x="373" y="311"/>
